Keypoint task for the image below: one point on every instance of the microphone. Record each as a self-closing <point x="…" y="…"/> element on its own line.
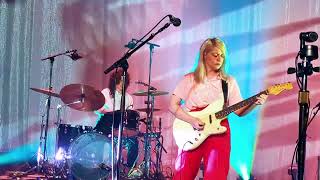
<point x="131" y="44"/>
<point x="308" y="36"/>
<point x="69" y="51"/>
<point x="74" y="55"/>
<point x="175" y="21"/>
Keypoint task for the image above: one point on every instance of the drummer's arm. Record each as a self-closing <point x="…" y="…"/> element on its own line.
<point x="104" y="109"/>
<point x="107" y="107"/>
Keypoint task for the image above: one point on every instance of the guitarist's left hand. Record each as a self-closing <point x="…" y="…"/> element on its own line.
<point x="261" y="99"/>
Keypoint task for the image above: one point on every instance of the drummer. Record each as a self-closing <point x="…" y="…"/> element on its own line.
<point x="113" y="93"/>
<point x="112" y="96"/>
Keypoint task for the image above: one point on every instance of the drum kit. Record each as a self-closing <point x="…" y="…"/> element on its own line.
<point x="84" y="152"/>
<point x="90" y="152"/>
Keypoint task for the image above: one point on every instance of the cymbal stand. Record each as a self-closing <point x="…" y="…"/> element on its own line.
<point x="159" y="148"/>
<point x="150" y="108"/>
<point x="60" y="154"/>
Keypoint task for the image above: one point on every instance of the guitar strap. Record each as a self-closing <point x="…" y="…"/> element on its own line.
<point x="225" y="92"/>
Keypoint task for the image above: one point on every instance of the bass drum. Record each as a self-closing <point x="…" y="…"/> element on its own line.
<point x="90" y="156"/>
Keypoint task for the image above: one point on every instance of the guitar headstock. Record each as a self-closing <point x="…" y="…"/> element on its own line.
<point x="278" y="88"/>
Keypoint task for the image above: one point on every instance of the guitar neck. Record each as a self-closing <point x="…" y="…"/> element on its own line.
<point x="225" y="112"/>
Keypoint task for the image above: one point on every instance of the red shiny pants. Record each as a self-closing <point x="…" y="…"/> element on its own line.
<point x="215" y="151"/>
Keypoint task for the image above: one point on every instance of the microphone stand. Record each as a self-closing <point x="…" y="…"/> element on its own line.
<point x="123" y="63"/>
<point x="41" y="158"/>
<point x="48" y="110"/>
<point x="303" y="119"/>
<point x="51" y="58"/>
<point x="303" y="70"/>
<point x="125" y="67"/>
<point x="128" y="54"/>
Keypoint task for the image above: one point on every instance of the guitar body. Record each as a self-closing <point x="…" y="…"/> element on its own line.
<point x="187" y="138"/>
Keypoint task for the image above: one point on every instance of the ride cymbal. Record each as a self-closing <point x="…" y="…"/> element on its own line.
<point x="82" y="97"/>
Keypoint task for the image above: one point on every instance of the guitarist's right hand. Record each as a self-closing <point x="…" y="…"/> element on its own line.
<point x="197" y="124"/>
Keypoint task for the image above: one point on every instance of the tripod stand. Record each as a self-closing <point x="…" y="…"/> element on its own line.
<point x="157" y="174"/>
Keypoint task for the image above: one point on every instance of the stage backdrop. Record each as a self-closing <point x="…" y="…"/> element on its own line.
<point x="262" y="37"/>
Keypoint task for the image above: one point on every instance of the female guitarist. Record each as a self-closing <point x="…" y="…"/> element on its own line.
<point x="199" y="89"/>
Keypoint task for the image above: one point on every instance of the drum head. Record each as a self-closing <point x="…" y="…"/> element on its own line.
<point x="90" y="156"/>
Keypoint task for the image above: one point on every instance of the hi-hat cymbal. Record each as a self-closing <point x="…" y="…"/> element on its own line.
<point x="152" y="93"/>
<point x="146" y="110"/>
<point x="46" y="91"/>
<point x="82" y="97"/>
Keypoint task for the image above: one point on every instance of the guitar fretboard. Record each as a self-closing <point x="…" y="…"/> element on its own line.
<point x="225" y="112"/>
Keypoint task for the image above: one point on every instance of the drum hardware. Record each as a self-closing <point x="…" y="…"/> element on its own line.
<point x="152" y="135"/>
<point x="159" y="148"/>
<point x="147" y="85"/>
<point x="155" y="136"/>
<point x="151" y="93"/>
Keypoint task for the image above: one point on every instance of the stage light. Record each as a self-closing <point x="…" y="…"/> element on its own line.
<point x="60" y="155"/>
<point x="246" y="177"/>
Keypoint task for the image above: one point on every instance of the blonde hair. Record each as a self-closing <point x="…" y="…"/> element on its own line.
<point x="200" y="73"/>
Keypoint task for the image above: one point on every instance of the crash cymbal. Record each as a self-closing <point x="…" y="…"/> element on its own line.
<point x="82" y="97"/>
<point x="46" y="91"/>
<point x="152" y="93"/>
<point x="145" y="109"/>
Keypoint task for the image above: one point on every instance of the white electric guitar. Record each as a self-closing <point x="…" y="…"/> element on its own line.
<point x="187" y="138"/>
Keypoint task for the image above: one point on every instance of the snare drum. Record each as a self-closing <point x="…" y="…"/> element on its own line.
<point x="130" y="126"/>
